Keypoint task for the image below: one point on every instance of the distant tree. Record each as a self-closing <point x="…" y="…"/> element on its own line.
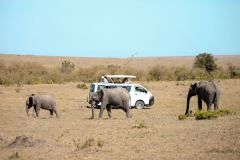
<point x="205" y="61"/>
<point x="67" y="66"/>
<point x="234" y="71"/>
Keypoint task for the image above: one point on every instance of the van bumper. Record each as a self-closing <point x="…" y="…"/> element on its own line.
<point x="151" y="101"/>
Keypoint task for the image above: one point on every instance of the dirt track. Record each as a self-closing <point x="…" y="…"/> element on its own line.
<point x="151" y="134"/>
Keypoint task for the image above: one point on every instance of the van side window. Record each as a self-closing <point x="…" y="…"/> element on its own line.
<point x="128" y="88"/>
<point x="92" y="88"/>
<point x="140" y="89"/>
<point x="100" y="87"/>
<point x="103" y="86"/>
<point x="111" y="86"/>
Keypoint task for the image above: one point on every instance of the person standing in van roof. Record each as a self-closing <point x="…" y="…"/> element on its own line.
<point x="104" y="79"/>
<point x="127" y="81"/>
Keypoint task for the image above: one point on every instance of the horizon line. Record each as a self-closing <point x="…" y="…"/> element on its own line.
<point x="131" y="56"/>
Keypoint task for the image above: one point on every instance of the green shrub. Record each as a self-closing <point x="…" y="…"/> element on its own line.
<point x="50" y="81"/>
<point x="205" y="115"/>
<point x="205" y="61"/>
<point x="234" y="72"/>
<point x="82" y="86"/>
<point x="202" y="115"/>
<point x="223" y="112"/>
<point x="182" y="117"/>
<point x="212" y="114"/>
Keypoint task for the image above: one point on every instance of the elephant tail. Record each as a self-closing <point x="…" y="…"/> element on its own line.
<point x="217" y="94"/>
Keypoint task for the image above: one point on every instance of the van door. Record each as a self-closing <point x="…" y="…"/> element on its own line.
<point x="139" y="93"/>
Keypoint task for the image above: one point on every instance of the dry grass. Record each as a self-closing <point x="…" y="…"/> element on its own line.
<point x="46" y="70"/>
<point x="164" y="137"/>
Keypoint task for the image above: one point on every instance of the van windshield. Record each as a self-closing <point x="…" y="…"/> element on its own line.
<point x="140" y="89"/>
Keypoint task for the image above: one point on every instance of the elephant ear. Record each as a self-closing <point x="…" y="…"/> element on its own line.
<point x="195" y="87"/>
<point x="30" y="100"/>
<point x="191" y="86"/>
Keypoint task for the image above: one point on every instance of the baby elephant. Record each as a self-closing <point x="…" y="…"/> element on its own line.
<point x="41" y="101"/>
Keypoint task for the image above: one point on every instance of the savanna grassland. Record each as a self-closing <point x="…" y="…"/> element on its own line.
<point x="154" y="133"/>
<point x="26" y="69"/>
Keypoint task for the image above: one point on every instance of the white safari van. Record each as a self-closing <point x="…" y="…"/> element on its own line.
<point x="140" y="96"/>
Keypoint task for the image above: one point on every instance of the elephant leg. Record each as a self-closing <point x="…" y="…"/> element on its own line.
<point x="27" y="110"/>
<point x="209" y="104"/>
<point x="103" y="106"/>
<point x="199" y="103"/>
<point x="215" y="106"/>
<point x="34" y="111"/>
<point x="51" y="113"/>
<point x="109" y="111"/>
<point x="128" y="115"/>
<point x="216" y="103"/>
<point x="126" y="109"/>
<point x="37" y="110"/>
<point x="93" y="113"/>
<point x="54" y="109"/>
<point x="56" y="112"/>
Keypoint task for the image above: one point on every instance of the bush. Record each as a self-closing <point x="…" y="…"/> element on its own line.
<point x="160" y="73"/>
<point x="67" y="66"/>
<point x="205" y="115"/>
<point x="234" y="72"/>
<point x="82" y="86"/>
<point x="205" y="61"/>
<point x="223" y="112"/>
<point x="181" y="74"/>
<point x="212" y="114"/>
<point x="182" y="117"/>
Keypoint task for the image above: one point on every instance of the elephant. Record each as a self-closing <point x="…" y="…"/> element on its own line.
<point x="46" y="102"/>
<point x="108" y="98"/>
<point x="207" y="91"/>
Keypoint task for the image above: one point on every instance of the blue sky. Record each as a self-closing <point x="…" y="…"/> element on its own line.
<point x="119" y="28"/>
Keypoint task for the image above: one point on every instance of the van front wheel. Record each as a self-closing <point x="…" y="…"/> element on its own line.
<point x="139" y="105"/>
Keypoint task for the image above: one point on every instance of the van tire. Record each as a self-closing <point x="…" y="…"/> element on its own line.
<point x="139" y="105"/>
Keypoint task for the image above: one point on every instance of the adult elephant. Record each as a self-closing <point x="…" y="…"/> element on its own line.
<point x="108" y="98"/>
<point x="46" y="102"/>
<point x="206" y="91"/>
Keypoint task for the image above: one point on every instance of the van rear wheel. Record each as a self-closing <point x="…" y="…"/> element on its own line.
<point x="139" y="105"/>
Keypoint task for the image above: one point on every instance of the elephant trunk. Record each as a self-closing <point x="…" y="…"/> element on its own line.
<point x="188" y="101"/>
